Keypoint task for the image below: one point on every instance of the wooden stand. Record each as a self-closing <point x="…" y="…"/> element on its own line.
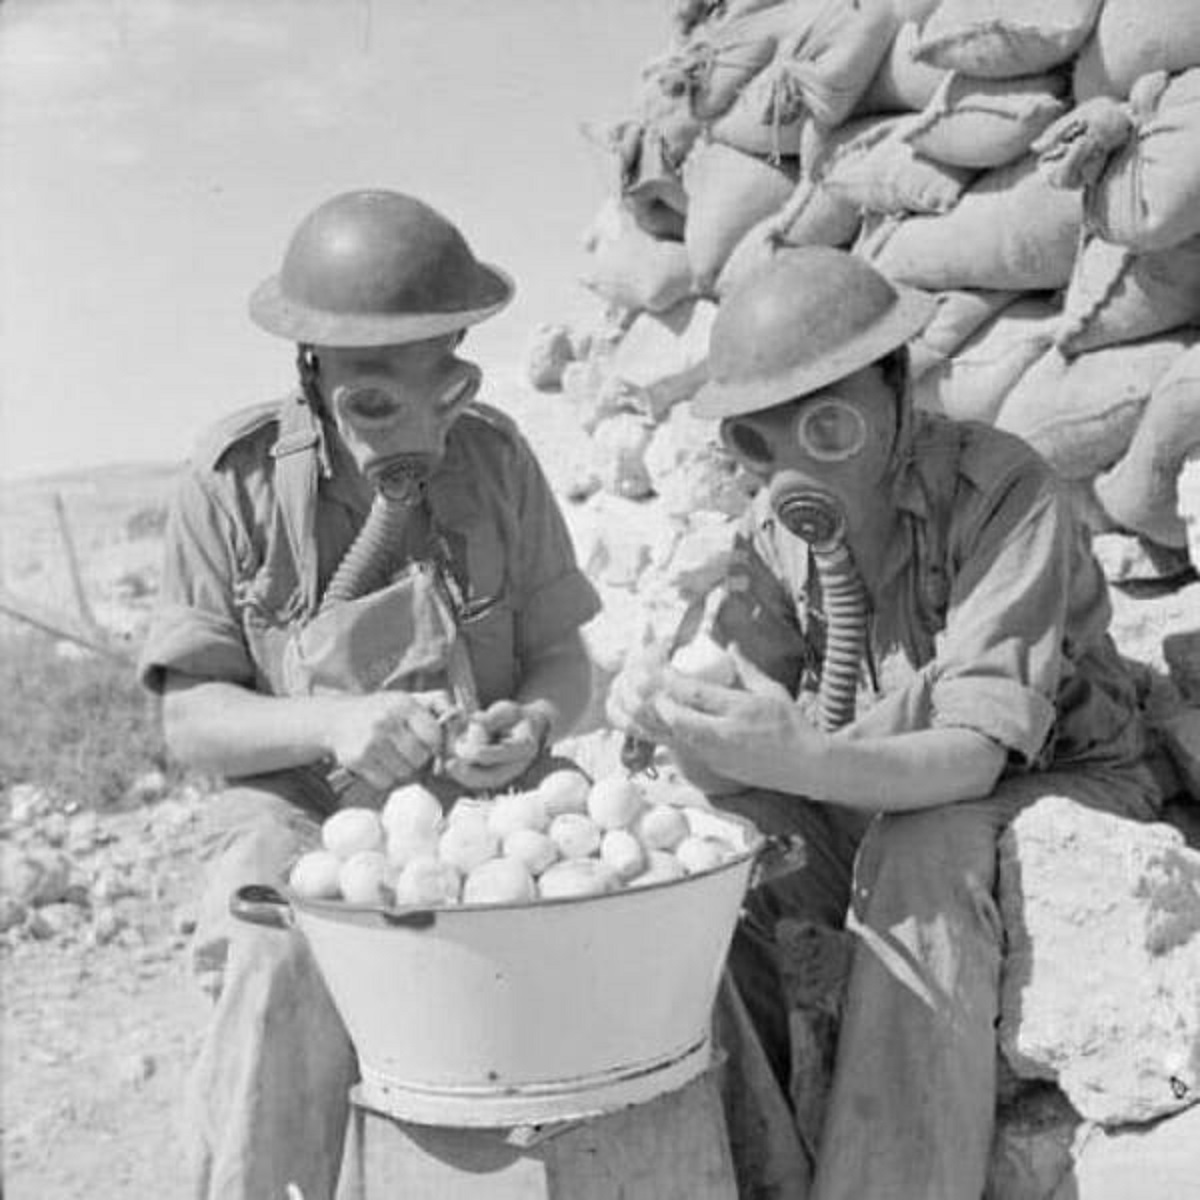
<point x="672" y="1148"/>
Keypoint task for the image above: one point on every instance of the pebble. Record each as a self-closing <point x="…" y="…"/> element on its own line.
<point x="147" y="787"/>
<point x="106" y="924"/>
<point x="137" y="1069"/>
<point x="12" y="913"/>
<point x="26" y="802"/>
<point x="55" y="828"/>
<point x="183" y="921"/>
<point x="35" y="877"/>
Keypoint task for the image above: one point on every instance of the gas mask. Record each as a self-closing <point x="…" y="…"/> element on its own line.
<point x="825" y="459"/>
<point x="395" y="425"/>
<point x="834" y="451"/>
<point x="397" y="431"/>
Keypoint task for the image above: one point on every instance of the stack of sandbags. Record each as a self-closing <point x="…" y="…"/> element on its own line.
<point x="1032" y="165"/>
<point x="1068" y="269"/>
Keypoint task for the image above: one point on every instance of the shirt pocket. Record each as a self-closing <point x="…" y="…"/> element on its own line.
<point x="269" y="603"/>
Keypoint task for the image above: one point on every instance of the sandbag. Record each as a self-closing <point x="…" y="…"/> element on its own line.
<point x="982" y="123"/>
<point x="957" y="316"/>
<point x="871" y="164"/>
<point x="831" y="54"/>
<point x="1002" y="39"/>
<point x="664" y="107"/>
<point x="901" y="84"/>
<point x="1134" y="37"/>
<point x="728" y="192"/>
<point x="1117" y="295"/>
<point x="760" y="120"/>
<point x="972" y="384"/>
<point x="729" y="56"/>
<point x="1148" y="195"/>
<point x="1080" y="414"/>
<point x="1010" y="230"/>
<point x="648" y="183"/>
<point x="629" y="268"/>
<point x="1140" y="491"/>
<point x="812" y="217"/>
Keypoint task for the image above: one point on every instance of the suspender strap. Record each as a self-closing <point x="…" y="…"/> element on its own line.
<point x="298" y="454"/>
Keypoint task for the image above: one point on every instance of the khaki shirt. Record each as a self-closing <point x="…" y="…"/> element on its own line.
<point x="231" y="587"/>
<point x="992" y="614"/>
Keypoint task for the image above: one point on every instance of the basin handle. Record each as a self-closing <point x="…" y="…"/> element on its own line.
<point x="260" y="904"/>
<point x="411" y="918"/>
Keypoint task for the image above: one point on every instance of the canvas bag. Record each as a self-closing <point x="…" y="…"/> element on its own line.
<point x="972" y="383"/>
<point x="1117" y="295"/>
<point x="728" y="192"/>
<point x="812" y="217"/>
<point x="1010" y="230"/>
<point x="1080" y="414"/>
<point x="983" y="123"/>
<point x="628" y="267"/>
<point x="901" y="84"/>
<point x="1148" y="194"/>
<point x="957" y="316"/>
<point x="1140" y="492"/>
<point x="1003" y="39"/>
<point x="1133" y="38"/>
<point x="870" y="164"/>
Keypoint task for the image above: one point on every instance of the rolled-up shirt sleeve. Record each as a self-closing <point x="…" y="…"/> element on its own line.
<point x="196" y="630"/>
<point x="999" y="659"/>
<point x="553" y="596"/>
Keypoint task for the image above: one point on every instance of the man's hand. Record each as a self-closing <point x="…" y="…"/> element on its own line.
<point x="632" y="697"/>
<point x="758" y="736"/>
<point x="498" y="745"/>
<point x="386" y="738"/>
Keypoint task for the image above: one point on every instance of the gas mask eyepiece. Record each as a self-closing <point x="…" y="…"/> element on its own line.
<point x="827" y="431"/>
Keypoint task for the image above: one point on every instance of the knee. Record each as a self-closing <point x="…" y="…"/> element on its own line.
<point x="935" y="863"/>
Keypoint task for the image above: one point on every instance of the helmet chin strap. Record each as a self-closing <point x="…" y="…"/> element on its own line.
<point x="816" y="518"/>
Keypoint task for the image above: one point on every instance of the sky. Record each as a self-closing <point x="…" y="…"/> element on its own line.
<point x="155" y="156"/>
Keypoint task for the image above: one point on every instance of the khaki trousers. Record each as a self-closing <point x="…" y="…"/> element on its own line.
<point x="266" y="1101"/>
<point x="911" y="1109"/>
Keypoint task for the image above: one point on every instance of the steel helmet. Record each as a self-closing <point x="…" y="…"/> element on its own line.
<point x="809" y="317"/>
<point x="377" y="268"/>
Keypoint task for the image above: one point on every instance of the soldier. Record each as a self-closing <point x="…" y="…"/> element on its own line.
<point x="946" y="554"/>
<point x="343" y="568"/>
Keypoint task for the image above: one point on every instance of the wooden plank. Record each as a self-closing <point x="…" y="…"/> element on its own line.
<point x="672" y="1148"/>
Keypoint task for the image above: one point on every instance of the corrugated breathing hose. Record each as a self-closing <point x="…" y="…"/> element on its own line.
<point x="846" y="612"/>
<point x="815" y="518"/>
<point x="369" y="562"/>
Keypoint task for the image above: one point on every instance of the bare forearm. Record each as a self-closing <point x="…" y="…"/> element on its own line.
<point x="227" y="729"/>
<point x="902" y="771"/>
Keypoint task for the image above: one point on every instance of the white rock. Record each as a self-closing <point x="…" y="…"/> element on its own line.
<point x="27" y="802"/>
<point x="1101" y="987"/>
<point x="550" y="350"/>
<point x="148" y="787"/>
<point x="618" y="453"/>
<point x="55" y="828"/>
<point x="12" y="913"/>
<point x="692" y="472"/>
<point x="700" y="558"/>
<point x="36" y="877"/>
